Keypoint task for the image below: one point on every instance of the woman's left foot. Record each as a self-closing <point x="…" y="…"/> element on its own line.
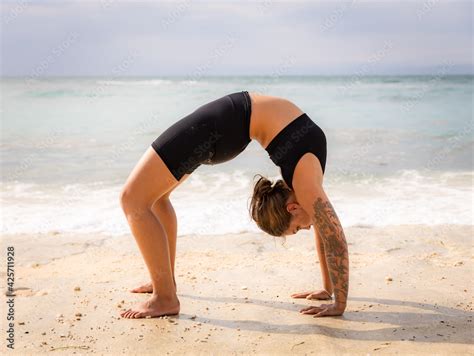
<point x="153" y="307"/>
<point x="145" y="288"/>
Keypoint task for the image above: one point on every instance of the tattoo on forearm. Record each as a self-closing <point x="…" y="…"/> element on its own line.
<point x="335" y="247"/>
<point x="321" y="244"/>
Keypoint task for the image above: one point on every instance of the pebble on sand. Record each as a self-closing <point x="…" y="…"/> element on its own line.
<point x="77" y="289"/>
<point x="388" y="279"/>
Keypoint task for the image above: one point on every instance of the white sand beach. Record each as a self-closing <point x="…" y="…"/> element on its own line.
<point x="410" y="293"/>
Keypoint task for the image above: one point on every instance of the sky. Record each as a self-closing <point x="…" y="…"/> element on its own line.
<point x="193" y="38"/>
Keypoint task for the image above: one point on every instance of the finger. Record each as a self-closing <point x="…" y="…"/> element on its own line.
<point x="324" y="312"/>
<point x="325" y="295"/>
<point x="300" y="295"/>
<point x="312" y="310"/>
<point x="318" y="296"/>
<point x="320" y="307"/>
<point x="307" y="308"/>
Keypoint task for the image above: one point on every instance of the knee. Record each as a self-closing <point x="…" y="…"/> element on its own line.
<point x="134" y="204"/>
<point x="162" y="206"/>
<point x="125" y="198"/>
<point x="130" y="200"/>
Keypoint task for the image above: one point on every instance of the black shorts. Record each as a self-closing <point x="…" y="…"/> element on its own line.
<point x="300" y="136"/>
<point x="214" y="133"/>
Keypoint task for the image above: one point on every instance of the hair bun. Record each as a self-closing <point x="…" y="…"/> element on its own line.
<point x="263" y="187"/>
<point x="267" y="207"/>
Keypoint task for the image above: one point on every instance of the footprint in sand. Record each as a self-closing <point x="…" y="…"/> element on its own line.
<point x="23" y="292"/>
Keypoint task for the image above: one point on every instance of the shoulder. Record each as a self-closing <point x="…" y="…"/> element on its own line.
<point x="308" y="171"/>
<point x="308" y="179"/>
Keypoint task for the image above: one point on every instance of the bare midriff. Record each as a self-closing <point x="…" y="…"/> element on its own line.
<point x="270" y="114"/>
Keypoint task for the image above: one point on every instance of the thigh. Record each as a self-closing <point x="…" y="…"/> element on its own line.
<point x="150" y="179"/>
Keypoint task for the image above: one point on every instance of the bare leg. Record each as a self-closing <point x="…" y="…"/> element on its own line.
<point x="148" y="182"/>
<point x="164" y="211"/>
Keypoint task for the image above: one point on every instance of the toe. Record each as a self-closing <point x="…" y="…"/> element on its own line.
<point x="123" y="313"/>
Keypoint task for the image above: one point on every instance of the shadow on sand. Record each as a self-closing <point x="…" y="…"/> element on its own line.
<point x="435" y="324"/>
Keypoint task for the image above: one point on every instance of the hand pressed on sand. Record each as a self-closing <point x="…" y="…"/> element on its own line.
<point x="318" y="295"/>
<point x="334" y="309"/>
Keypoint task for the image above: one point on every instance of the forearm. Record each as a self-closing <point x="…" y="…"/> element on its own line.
<point x="335" y="247"/>
<point x="322" y="263"/>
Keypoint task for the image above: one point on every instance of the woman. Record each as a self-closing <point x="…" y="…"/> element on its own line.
<point x="217" y="132"/>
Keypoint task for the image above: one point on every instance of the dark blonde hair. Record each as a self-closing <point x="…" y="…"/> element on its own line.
<point x="268" y="206"/>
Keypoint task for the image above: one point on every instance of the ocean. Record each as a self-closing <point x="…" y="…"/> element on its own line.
<point x="399" y="149"/>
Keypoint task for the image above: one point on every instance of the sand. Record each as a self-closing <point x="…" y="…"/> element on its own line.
<point x="411" y="292"/>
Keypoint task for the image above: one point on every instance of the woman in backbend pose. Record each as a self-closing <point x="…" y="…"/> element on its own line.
<point x="217" y="132"/>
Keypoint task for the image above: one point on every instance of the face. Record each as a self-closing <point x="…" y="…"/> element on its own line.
<point x="299" y="219"/>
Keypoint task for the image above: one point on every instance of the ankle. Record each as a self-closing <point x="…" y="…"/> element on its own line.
<point x="166" y="298"/>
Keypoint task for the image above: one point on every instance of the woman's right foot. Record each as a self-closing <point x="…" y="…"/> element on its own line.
<point x="153" y="307"/>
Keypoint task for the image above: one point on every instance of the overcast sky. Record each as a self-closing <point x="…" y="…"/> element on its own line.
<point x="197" y="38"/>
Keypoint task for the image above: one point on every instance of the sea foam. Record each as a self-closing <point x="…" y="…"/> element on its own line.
<point x="217" y="203"/>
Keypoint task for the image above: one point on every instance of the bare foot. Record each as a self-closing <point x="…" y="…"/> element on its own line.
<point x="153" y="307"/>
<point x="145" y="288"/>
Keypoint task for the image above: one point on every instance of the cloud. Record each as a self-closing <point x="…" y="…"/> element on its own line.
<point x="170" y="38"/>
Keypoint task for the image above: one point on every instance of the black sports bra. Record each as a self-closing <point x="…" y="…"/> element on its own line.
<point x="300" y="136"/>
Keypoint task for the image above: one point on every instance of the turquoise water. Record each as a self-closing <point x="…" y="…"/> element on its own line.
<point x="68" y="144"/>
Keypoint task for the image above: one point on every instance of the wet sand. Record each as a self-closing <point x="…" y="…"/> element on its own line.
<point x="410" y="293"/>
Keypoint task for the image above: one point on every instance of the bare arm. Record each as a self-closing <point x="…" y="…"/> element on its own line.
<point x="322" y="262"/>
<point x="325" y="293"/>
<point x="332" y="236"/>
<point x="307" y="184"/>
